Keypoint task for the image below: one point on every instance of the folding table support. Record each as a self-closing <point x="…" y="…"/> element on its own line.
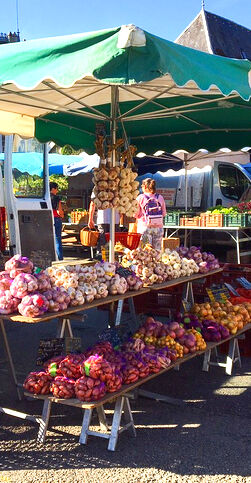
<point x="232" y="357"/>
<point x="122" y="406"/>
<point x="10" y="360"/>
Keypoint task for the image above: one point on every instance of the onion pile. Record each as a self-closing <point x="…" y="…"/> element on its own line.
<point x="63" y="387"/>
<point x="38" y="382"/>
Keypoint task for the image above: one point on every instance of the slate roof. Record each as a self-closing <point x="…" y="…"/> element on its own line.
<point x="217" y="35"/>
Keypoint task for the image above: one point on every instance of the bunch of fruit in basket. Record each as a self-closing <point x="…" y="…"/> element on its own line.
<point x="205" y="261"/>
<point x="89" y="389"/>
<point x="233" y="317"/>
<point x="18" y="264"/>
<point x="63" y="387"/>
<point x="33" y="305"/>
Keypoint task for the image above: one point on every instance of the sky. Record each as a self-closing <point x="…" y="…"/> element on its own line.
<point x="165" y="18"/>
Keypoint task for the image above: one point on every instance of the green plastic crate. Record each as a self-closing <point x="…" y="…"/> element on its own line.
<point x="235" y="220"/>
<point x="172" y="219"/>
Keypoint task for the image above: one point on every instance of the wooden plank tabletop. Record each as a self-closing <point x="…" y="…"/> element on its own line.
<point x="178" y="281"/>
<point x="72" y="310"/>
<point x="129" y="387"/>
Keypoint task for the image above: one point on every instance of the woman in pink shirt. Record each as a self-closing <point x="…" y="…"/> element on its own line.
<point x="150" y="214"/>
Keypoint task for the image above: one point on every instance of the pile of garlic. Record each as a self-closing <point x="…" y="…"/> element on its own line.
<point x="178" y="267"/>
<point x="86" y="283"/>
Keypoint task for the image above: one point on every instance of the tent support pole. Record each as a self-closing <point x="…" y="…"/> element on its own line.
<point x="186" y="181"/>
<point x="114" y="100"/>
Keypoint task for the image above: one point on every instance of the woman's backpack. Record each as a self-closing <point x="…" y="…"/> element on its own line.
<point x="153" y="210"/>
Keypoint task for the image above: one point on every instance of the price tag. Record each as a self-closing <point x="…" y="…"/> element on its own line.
<point x="218" y="294"/>
<point x="49" y="348"/>
<point x="73" y="345"/>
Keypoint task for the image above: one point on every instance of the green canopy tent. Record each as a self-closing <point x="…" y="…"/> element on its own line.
<point x="163" y="95"/>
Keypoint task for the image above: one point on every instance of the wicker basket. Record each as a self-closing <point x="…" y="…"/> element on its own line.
<point x="89" y="238"/>
<point x="170" y="243"/>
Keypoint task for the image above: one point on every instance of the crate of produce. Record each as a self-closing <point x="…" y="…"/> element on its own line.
<point x="194" y="221"/>
<point x="212" y="220"/>
<point x="236" y="219"/>
<point x="78" y="215"/>
<point x="172" y="219"/>
<point x="247" y="219"/>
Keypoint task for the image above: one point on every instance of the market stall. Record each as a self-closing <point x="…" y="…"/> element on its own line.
<point x="192" y="101"/>
<point x="134" y="105"/>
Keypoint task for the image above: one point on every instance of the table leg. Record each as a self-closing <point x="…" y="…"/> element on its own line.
<point x="44" y="421"/>
<point x="113" y="438"/>
<point x="64" y="327"/>
<point x="10" y="360"/>
<point x="102" y="418"/>
<point x="85" y="426"/>
<point x="206" y="360"/>
<point x="128" y="416"/>
<point x="132" y="312"/>
<point x="233" y="355"/>
<point x="238" y="247"/>
<point x="119" y="312"/>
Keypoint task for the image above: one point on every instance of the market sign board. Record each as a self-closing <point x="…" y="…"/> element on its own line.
<point x="168" y="195"/>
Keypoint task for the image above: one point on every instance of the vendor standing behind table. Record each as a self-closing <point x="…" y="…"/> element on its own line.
<point x="58" y="214"/>
<point x="103" y="223"/>
<point x="151" y="210"/>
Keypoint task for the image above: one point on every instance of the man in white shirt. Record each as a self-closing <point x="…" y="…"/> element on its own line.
<point x="103" y="223"/>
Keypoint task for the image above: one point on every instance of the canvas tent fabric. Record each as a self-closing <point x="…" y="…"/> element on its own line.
<point x="167" y="96"/>
<point x="152" y="164"/>
<point x="67" y="165"/>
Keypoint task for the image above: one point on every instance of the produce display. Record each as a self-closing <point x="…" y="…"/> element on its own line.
<point x="172" y="336"/>
<point x="8" y="303"/>
<point x="99" y="370"/>
<point x="154" y="346"/>
<point x="31" y="294"/>
<point x="152" y="266"/>
<point x="233" y="317"/>
<point x="205" y="261"/>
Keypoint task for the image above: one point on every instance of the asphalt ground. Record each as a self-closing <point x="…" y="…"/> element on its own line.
<point x="206" y="440"/>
